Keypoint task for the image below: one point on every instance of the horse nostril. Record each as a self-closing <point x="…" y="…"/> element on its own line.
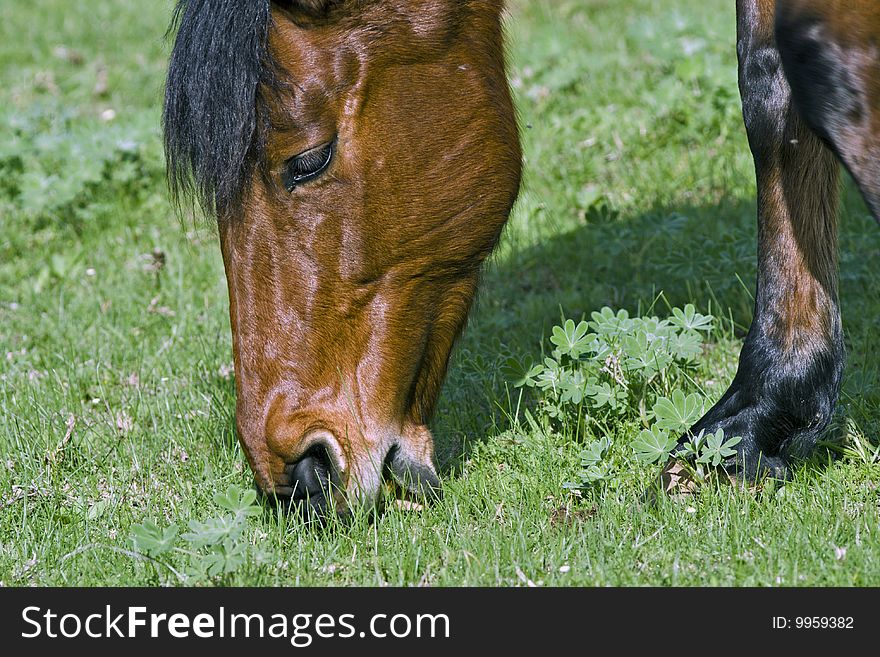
<point x="413" y="477"/>
<point x="311" y="479"/>
<point x="309" y="476"/>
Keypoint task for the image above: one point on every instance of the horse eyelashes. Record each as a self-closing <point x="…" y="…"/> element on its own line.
<point x="311" y="161"/>
<point x="306" y="166"/>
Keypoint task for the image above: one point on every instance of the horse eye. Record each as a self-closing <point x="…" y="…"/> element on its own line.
<point x="306" y="166"/>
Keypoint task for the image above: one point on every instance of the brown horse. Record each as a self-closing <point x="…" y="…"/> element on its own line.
<point x="361" y="158"/>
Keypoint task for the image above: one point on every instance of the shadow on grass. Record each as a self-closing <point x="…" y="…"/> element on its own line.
<point x="703" y="255"/>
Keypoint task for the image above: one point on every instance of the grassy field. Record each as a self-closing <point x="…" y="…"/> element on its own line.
<point x="116" y="391"/>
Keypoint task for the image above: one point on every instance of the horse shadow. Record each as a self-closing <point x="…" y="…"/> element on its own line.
<point x="647" y="263"/>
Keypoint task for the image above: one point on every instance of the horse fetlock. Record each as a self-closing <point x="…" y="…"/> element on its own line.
<point x="778" y="407"/>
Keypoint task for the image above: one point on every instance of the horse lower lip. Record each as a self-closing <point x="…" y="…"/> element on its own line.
<point x="403" y="499"/>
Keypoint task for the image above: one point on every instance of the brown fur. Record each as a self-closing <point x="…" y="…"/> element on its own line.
<point x="347" y="294"/>
<point x="798" y="215"/>
<point x="850" y="32"/>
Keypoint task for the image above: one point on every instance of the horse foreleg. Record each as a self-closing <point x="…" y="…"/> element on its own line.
<point x="788" y="380"/>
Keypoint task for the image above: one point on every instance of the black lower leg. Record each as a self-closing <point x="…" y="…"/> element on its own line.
<point x="786" y="387"/>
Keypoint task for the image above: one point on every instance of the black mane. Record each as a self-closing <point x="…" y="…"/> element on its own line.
<point x="213" y="117"/>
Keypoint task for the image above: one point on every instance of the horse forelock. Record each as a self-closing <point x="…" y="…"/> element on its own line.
<point x="213" y="127"/>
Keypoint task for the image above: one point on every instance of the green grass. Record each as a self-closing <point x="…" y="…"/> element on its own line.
<point x="638" y="182"/>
